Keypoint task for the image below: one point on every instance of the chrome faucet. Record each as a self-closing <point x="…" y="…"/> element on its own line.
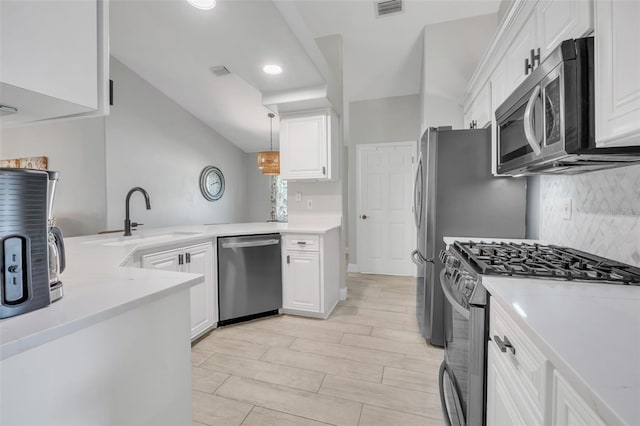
<point x="127" y="220"/>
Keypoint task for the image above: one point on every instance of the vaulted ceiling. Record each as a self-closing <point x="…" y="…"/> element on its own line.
<point x="172" y="45"/>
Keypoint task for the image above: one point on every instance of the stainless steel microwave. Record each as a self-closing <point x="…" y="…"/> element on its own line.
<point x="546" y="126"/>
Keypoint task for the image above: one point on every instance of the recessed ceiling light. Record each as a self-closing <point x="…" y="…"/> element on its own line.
<point x="203" y="4"/>
<point x="272" y="69"/>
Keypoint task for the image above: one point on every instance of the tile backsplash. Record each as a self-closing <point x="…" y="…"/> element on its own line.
<point x="605" y="212"/>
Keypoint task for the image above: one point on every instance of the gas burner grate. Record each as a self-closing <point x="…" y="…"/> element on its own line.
<point x="545" y="261"/>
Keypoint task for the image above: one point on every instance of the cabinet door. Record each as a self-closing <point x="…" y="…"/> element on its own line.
<point x="502" y="409"/>
<point x="617" y="71"/>
<point x="49" y="58"/>
<point x="204" y="304"/>
<point x="560" y="20"/>
<point x="498" y="95"/>
<point x="569" y="408"/>
<point x="166" y="261"/>
<point x="302" y="281"/>
<point x="304" y="147"/>
<point x="482" y="107"/>
<point x="518" y="51"/>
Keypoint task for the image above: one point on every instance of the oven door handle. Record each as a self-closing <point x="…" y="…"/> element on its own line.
<point x="448" y="292"/>
<point x="529" y="133"/>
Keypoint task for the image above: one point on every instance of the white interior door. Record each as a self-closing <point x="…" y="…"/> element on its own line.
<point x="386" y="230"/>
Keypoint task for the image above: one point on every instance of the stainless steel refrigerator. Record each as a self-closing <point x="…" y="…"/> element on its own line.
<point x="455" y="194"/>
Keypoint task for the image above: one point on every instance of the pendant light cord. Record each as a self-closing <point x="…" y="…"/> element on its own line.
<point x="271" y="115"/>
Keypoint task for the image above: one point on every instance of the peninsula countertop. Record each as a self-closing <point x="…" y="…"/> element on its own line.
<point x="99" y="284"/>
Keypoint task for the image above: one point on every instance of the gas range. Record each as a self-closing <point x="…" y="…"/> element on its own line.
<point x="466" y="263"/>
<point x="462" y="377"/>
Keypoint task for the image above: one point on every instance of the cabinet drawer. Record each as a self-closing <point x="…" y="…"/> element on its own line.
<point x="527" y="363"/>
<point x="302" y="242"/>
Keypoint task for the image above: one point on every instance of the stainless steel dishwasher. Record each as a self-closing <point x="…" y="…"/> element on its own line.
<point x="249" y="277"/>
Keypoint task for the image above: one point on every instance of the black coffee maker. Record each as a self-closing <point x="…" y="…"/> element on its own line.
<point x="26" y="198"/>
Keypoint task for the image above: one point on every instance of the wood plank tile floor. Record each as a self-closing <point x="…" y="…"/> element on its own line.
<point x="366" y="365"/>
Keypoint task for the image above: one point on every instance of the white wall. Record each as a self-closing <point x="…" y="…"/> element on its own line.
<point x="154" y="143"/>
<point x="438" y="111"/>
<point x="258" y="191"/>
<point x="394" y="119"/>
<point x="76" y="149"/>
<point x="326" y="198"/>
<point x="452" y="51"/>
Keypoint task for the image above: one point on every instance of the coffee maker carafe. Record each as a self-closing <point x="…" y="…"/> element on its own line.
<point x="55" y="241"/>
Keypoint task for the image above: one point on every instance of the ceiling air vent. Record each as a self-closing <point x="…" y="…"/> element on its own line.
<point x="388" y="7"/>
<point x="219" y="71"/>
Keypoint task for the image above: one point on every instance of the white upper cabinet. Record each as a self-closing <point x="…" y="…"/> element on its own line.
<point x="617" y="68"/>
<point x="519" y="52"/>
<point x="530" y="31"/>
<point x="53" y="59"/>
<point x="559" y="20"/>
<point x="309" y="144"/>
<point x="481" y="108"/>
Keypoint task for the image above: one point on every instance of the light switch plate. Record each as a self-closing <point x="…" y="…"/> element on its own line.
<point x="565" y="208"/>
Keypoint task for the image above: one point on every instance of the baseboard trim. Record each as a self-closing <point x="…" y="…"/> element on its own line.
<point x="353" y="267"/>
<point x="343" y="293"/>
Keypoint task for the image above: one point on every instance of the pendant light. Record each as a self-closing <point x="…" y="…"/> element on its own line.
<point x="269" y="161"/>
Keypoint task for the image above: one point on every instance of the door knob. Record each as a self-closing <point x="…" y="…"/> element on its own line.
<point x="363" y="216"/>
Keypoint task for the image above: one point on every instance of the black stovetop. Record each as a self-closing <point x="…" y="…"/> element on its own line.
<point x="545" y="261"/>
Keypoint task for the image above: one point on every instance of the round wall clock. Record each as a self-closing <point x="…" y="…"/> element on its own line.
<point x="212" y="183"/>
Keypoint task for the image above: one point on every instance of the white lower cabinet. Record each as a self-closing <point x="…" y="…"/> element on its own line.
<point x="523" y="386"/>
<point x="502" y="410"/>
<point x="569" y="408"/>
<point x="303" y="281"/>
<point x="310" y="274"/>
<point x="196" y="259"/>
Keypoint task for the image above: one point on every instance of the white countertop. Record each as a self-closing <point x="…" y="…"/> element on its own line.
<point x="590" y="332"/>
<point x="98" y="286"/>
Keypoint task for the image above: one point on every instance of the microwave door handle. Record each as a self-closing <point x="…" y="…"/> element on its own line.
<point x="528" y="122"/>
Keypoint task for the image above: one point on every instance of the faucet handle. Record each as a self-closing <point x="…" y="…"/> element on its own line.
<point x="136" y="224"/>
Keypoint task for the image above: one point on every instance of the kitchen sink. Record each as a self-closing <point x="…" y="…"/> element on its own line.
<point x="136" y="239"/>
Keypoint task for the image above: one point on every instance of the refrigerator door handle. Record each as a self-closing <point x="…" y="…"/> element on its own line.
<point x="418" y="187"/>
<point x="417" y="258"/>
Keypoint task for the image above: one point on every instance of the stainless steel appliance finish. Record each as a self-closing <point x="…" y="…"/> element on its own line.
<point x="57" y="261"/>
<point x="545" y="261"/>
<point x="249" y="277"/>
<point x="463" y="372"/>
<point x="24" y="269"/>
<point x="547" y="125"/>
<point x="459" y="196"/>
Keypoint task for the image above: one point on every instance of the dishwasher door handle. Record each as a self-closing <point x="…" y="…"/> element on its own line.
<point x="256" y="243"/>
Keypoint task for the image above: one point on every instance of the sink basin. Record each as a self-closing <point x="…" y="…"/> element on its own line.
<point x="136" y="239"/>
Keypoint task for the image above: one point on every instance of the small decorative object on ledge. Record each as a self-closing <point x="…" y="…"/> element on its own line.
<point x="269" y="161"/>
<point x="212" y="183"/>
<point x="37" y="163"/>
